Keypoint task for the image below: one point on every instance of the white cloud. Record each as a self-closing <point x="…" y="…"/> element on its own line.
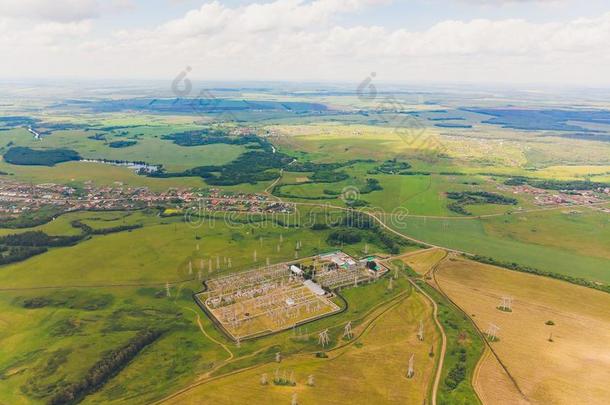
<point x="279" y="15"/>
<point x="505" y="2"/>
<point x="56" y="10"/>
<point x="62" y="11"/>
<point x="297" y="39"/>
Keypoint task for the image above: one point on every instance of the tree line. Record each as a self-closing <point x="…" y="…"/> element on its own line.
<point x="103" y="231"/>
<point x="106" y="368"/>
<point x="556" y="184"/>
<point x="462" y="198"/>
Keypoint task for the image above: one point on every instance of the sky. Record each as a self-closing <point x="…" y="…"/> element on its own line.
<point x="561" y="42"/>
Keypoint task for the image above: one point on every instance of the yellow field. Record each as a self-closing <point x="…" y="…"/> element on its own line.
<point x="493" y="385"/>
<point x="360" y="141"/>
<point x="424" y="260"/>
<point x="572" y="369"/>
<point x="354" y="141"/>
<point x="371" y="371"/>
<point x="573" y="172"/>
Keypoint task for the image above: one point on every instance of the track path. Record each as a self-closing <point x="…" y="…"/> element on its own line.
<point x="219" y="343"/>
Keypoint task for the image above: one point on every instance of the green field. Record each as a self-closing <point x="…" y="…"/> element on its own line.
<point x="159" y="252"/>
<point x="149" y="148"/>
<point x="550" y="241"/>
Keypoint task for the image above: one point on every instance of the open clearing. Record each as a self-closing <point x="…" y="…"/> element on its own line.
<point x="577" y="357"/>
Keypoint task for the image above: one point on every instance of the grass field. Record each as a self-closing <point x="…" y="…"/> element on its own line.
<point x="577" y="357"/>
<point x="565" y="244"/>
<point x="160" y="251"/>
<point x="416" y="194"/>
<point x="149" y="148"/>
<point x="53" y="345"/>
<point x="98" y="173"/>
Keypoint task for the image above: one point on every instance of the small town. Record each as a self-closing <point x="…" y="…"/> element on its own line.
<point x="561" y="197"/>
<point x="17" y="198"/>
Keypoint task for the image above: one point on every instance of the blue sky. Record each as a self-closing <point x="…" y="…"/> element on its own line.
<point x="490" y="41"/>
<point x="415" y="14"/>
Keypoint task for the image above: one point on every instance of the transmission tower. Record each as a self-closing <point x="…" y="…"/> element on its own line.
<point x="347" y="332"/>
<point x="323" y="338"/>
<point x="420" y="333"/>
<point x="410" y="371"/>
<point x="492" y="332"/>
<point x="506" y="304"/>
<point x="311" y="381"/>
